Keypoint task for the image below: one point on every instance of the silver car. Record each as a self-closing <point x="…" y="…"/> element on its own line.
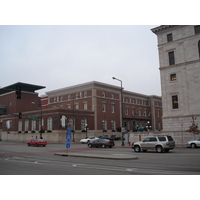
<point x="158" y="143"/>
<point x="193" y="143"/>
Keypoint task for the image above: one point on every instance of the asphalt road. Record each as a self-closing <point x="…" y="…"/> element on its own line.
<point x="19" y="159"/>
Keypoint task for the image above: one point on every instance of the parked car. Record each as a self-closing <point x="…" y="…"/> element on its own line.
<point x="37" y="142"/>
<point x="102" y="143"/>
<point x="115" y="137"/>
<point x="193" y="143"/>
<point x="157" y="143"/>
<point x="88" y="139"/>
<point x="104" y="137"/>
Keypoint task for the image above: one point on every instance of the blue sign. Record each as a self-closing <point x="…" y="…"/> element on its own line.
<point x="68" y="137"/>
<point x="67" y="144"/>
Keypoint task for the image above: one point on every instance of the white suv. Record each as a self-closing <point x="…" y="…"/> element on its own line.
<point x="159" y="143"/>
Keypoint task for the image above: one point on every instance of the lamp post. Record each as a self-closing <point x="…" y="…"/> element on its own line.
<point x="148" y="126"/>
<point x="121" y="109"/>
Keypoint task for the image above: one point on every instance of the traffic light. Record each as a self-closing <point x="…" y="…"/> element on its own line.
<point x="18" y="92"/>
<point x="20" y="115"/>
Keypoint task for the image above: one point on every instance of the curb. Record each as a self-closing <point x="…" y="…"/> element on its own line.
<point x="113" y="157"/>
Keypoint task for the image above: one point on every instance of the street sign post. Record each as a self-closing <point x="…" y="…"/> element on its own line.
<point x="68" y="138"/>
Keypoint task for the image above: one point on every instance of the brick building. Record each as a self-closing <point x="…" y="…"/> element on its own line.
<point x="91" y="108"/>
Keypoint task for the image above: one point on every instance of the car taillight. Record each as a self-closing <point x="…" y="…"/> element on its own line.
<point x="167" y="143"/>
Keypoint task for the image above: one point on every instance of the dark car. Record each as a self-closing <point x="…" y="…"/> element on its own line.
<point x="115" y="137"/>
<point x="104" y="137"/>
<point x="102" y="143"/>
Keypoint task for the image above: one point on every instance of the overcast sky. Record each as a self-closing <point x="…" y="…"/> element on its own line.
<point x="66" y="55"/>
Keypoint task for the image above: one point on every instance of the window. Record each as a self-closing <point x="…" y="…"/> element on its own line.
<point x="104" y="125"/>
<point x="145" y="113"/>
<point x="83" y="124"/>
<point x="197" y="29"/>
<point x="68" y="96"/>
<point x="33" y="125"/>
<point x="103" y="94"/>
<point x="20" y="125"/>
<point x="112" y="96"/>
<point x="76" y="106"/>
<point x="126" y="111"/>
<point x="71" y="122"/>
<point x="55" y="122"/>
<point x="171" y="58"/>
<point x="172" y="77"/>
<point x="139" y="112"/>
<point x="113" y="125"/>
<point x="112" y="108"/>
<point x="85" y="94"/>
<point x="104" y="107"/>
<point x="161" y="138"/>
<point x="85" y="105"/>
<point x="175" y="102"/>
<point x="49" y="123"/>
<point x="169" y="37"/>
<point x="158" y="112"/>
<point x="26" y="124"/>
<point x="152" y="139"/>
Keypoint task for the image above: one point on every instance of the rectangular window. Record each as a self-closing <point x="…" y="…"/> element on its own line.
<point x="172" y="77"/>
<point x="197" y="29"/>
<point x="103" y="107"/>
<point x="85" y="105"/>
<point x="169" y="37"/>
<point x="175" y="102"/>
<point x="171" y="58"/>
<point x="113" y="108"/>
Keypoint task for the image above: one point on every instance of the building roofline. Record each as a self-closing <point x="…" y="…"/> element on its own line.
<point x="162" y="28"/>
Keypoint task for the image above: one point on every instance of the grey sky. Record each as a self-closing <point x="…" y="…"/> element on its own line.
<point x="61" y="56"/>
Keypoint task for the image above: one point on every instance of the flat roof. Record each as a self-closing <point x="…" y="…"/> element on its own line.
<point x="24" y="87"/>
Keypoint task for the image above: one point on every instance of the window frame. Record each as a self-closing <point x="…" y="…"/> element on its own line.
<point x="175" y="102"/>
<point x="171" y="56"/>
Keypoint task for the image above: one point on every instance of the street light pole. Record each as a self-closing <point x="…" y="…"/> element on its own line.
<point x="121" y="108"/>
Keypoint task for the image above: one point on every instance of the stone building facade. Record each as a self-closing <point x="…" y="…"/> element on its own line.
<point x="179" y="56"/>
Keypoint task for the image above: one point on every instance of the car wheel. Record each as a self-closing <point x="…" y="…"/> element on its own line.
<point x="137" y="148"/>
<point x="103" y="146"/>
<point x="193" y="145"/>
<point x="44" y="145"/>
<point x="28" y="144"/>
<point x="89" y="145"/>
<point x="159" y="149"/>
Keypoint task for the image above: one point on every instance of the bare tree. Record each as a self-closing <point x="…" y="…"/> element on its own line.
<point x="194" y="127"/>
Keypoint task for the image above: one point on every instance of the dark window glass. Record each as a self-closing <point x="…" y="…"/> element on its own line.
<point x="170" y="138"/>
<point x="175" y="102"/>
<point x="172" y="77"/>
<point x="169" y="37"/>
<point x="153" y="139"/>
<point x="171" y="58"/>
<point x="161" y="138"/>
<point x="55" y="121"/>
<point x="197" y="29"/>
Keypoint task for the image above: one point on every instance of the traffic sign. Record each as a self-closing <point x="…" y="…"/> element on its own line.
<point x="32" y="116"/>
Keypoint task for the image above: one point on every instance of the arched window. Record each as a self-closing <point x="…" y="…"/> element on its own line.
<point x="83" y="124"/>
<point x="26" y="124"/>
<point x="104" y="125"/>
<point x="33" y="125"/>
<point x="71" y="122"/>
<point x="49" y="123"/>
<point x="113" y="127"/>
<point x="20" y="125"/>
<point x="199" y="48"/>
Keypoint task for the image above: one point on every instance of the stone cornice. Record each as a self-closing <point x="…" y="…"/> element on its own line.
<point x="162" y="28"/>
